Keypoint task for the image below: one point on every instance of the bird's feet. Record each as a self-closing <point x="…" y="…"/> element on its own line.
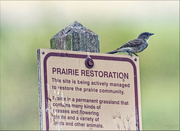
<point x="130" y="53"/>
<point x="135" y="54"/>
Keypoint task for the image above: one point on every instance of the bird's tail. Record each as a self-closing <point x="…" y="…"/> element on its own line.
<point x="112" y="52"/>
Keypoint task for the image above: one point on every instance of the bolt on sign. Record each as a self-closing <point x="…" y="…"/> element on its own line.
<point x="88" y="91"/>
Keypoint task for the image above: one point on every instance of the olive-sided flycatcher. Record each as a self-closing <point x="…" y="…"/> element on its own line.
<point x="134" y="46"/>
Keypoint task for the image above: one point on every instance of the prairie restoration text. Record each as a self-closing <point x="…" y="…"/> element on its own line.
<point x="90" y="73"/>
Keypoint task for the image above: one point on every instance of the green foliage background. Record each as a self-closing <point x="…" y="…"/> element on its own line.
<point x="159" y="63"/>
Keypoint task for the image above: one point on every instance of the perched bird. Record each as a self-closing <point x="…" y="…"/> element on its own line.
<point x="134" y="46"/>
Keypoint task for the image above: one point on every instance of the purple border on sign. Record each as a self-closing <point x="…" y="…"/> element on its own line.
<point x="93" y="57"/>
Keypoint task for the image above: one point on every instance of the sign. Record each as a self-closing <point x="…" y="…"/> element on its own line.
<point x="88" y="91"/>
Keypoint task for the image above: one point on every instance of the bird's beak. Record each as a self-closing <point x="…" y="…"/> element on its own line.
<point x="151" y="34"/>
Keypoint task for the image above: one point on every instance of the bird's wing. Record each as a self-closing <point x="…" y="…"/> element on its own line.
<point x="133" y="43"/>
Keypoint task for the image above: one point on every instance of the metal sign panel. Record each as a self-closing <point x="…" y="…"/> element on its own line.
<point x="88" y="91"/>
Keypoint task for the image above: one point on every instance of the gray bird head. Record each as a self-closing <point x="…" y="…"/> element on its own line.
<point x="145" y="35"/>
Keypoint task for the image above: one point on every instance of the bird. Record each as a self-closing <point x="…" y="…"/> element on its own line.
<point x="134" y="46"/>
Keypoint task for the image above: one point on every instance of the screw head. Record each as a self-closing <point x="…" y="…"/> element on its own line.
<point x="89" y="63"/>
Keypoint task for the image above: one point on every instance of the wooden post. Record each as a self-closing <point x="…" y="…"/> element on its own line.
<point x="76" y="37"/>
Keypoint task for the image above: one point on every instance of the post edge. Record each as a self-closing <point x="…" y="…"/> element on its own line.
<point x="40" y="89"/>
